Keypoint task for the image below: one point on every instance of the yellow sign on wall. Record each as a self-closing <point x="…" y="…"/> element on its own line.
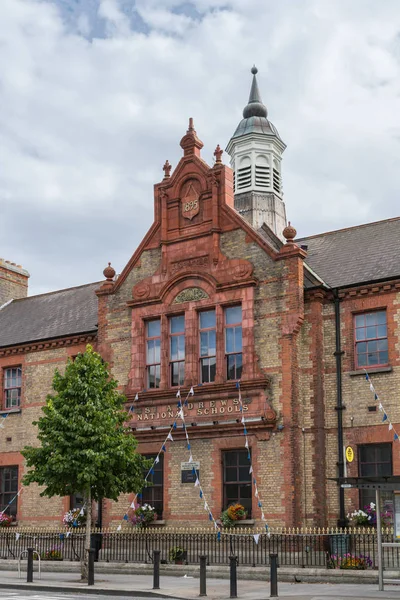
<point x="349" y="454"/>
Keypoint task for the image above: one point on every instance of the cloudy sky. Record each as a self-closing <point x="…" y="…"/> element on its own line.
<point x="96" y="94"/>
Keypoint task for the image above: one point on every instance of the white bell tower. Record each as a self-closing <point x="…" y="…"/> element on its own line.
<point x="256" y="152"/>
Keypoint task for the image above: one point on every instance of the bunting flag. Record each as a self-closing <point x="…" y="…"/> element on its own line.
<point x="137" y="396"/>
<point x="385" y="417"/>
<point x="3" y="418"/>
<point x="68" y="534"/>
<point x="256" y="537"/>
<point x="17" y="536"/>
<point x="11" y="501"/>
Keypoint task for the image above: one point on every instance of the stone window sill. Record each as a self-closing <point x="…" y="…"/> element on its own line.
<point x="10" y="411"/>
<point x="246" y="522"/>
<point x="159" y="522"/>
<point x="371" y="371"/>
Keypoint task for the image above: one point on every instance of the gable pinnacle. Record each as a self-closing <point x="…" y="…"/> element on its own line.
<point x="255" y="106"/>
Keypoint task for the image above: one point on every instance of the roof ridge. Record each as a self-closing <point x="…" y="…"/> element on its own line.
<point x="74" y="287"/>
<point x="347" y="228"/>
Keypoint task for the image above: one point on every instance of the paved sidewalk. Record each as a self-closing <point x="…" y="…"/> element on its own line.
<point x="186" y="588"/>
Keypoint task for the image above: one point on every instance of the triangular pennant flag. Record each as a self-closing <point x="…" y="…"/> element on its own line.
<point x="241" y="408"/>
<point x="219" y="536"/>
<point x="191" y="392"/>
<point x="366" y="376"/>
<point x="197" y="482"/>
<point x="384" y="417"/>
<point x="190" y="458"/>
<point x="157" y="460"/>
<point x="17" y="535"/>
<point x="256" y="493"/>
<point x="243" y="420"/>
<point x="81" y="512"/>
<point x="254" y="481"/>
<point x="245" y="431"/>
<point x="251" y="469"/>
<point x="238" y="385"/>
<point x="151" y="471"/>
<point x="205" y="505"/>
<point x="380" y="407"/>
<point x="186" y="402"/>
<point x="61" y="537"/>
<point x="174" y="425"/>
<point x="201" y="493"/>
<point x="247" y="443"/>
<point x="170" y="437"/>
<point x="178" y="394"/>
<point x="133" y="504"/>
<point x="75" y="523"/>
<point x="396" y="437"/>
<point x="119" y="528"/>
<point x="210" y="517"/>
<point x="371" y="387"/>
<point x="249" y="455"/>
<point x="194" y="471"/>
<point x="188" y="446"/>
<point x="163" y="448"/>
<point x="376" y="396"/>
<point x="215" y="525"/>
<point x="131" y="409"/>
<point x="256" y="537"/>
<point x="259" y="504"/>
<point x="137" y="396"/>
<point x="139" y="495"/>
<point x="262" y="517"/>
<point x="68" y="534"/>
<point x="125" y="517"/>
<point x="390" y="427"/>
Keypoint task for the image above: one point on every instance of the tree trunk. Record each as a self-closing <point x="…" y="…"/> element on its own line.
<point x="85" y="557"/>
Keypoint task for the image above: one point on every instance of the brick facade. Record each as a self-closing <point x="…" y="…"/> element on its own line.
<point x="288" y="383"/>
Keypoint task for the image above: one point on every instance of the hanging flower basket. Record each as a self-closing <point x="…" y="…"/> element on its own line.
<point x="74" y="518"/>
<point x="5" y="520"/>
<point x="232" y="515"/>
<point x="143" y="516"/>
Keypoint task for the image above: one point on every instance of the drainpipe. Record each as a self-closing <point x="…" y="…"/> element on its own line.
<point x="342" y="521"/>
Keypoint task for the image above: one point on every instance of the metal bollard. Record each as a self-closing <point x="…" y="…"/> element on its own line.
<point x="233" y="575"/>
<point x="29" y="570"/>
<point x="274" y="575"/>
<point x="90" y="579"/>
<point x="156" y="569"/>
<point x="203" y="575"/>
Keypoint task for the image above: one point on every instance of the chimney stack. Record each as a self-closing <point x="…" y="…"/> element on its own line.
<point x="13" y="281"/>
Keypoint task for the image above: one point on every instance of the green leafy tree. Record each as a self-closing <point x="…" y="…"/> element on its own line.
<point x="85" y="446"/>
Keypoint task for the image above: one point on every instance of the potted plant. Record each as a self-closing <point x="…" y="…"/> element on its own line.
<point x="233" y="514"/>
<point x="177" y="555"/>
<point x="74" y="518"/>
<point x="143" y="516"/>
<point x="52" y="554"/>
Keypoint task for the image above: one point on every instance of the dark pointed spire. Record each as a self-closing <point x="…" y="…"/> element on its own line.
<point x="255" y="106"/>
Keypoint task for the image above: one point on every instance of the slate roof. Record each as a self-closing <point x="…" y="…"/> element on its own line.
<point x="354" y="255"/>
<point x="53" y="315"/>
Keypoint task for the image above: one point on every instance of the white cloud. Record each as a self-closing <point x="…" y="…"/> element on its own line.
<point x="95" y="95"/>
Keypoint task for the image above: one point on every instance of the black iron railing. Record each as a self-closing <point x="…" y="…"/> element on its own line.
<point x="298" y="548"/>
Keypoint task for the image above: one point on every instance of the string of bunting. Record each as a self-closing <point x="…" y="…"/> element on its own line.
<point x="251" y="470"/>
<point x="385" y="418"/>
<point x="3" y="418"/>
<point x="163" y="449"/>
<point x="181" y="405"/>
<point x="197" y="483"/>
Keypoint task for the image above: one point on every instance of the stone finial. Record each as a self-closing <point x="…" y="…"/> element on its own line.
<point x="289" y="233"/>
<point x="109" y="272"/>
<point x="167" y="169"/>
<point x="218" y="153"/>
<point x="190" y="142"/>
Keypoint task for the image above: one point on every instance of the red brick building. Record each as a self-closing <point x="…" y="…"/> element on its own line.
<point x="221" y="291"/>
